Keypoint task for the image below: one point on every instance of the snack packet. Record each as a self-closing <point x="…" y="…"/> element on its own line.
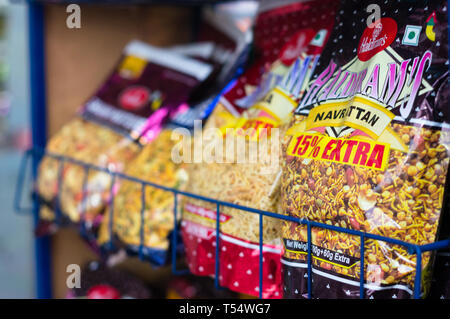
<point x="158" y="162"/>
<point x="153" y="164"/>
<point x="368" y="150"/>
<point x="128" y="110"/>
<point x="220" y="42"/>
<point x="281" y="29"/>
<point x="230" y="42"/>
<point x="88" y="142"/>
<point x="247" y="181"/>
<point x="440" y="285"/>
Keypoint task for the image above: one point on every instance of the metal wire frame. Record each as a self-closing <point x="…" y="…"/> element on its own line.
<point x="35" y="152"/>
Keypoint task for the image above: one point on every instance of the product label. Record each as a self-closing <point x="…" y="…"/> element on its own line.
<point x="359" y="113"/>
<point x="377" y="37"/>
<point x="320" y="254"/>
<point x="269" y="113"/>
<point x="275" y="109"/>
<point x="278" y="104"/>
<point x="339" y="150"/>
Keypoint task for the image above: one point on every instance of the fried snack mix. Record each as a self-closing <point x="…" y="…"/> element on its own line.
<point x="250" y="181"/>
<point x="145" y="88"/>
<point x="153" y="164"/>
<point x="368" y="150"/>
<point x="91" y="143"/>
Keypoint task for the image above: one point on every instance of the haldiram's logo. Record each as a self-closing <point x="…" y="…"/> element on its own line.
<point x="375" y="42"/>
<point x="376" y="38"/>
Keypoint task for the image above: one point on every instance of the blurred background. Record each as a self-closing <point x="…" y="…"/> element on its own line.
<point x="76" y="66"/>
<point x="16" y="232"/>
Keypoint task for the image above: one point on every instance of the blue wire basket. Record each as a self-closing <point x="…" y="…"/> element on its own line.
<point x="37" y="154"/>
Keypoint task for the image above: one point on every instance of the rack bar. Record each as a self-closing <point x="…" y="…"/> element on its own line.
<point x="111" y="212"/>
<point x="236" y="206"/>
<point x="361" y="263"/>
<point x="435" y="246"/>
<point x="174" y="234"/>
<point x="175" y="240"/>
<point x="418" y="278"/>
<point x="412" y="248"/>
<point x="43" y="277"/>
<point x="84" y="199"/>
<point x="217" y="264"/>
<point x="261" y="260"/>
<point x="308" y="225"/>
<point x="142" y="228"/>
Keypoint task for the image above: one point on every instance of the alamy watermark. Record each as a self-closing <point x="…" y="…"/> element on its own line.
<point x="73" y="20"/>
<point x="74" y="278"/>
<point x="260" y="145"/>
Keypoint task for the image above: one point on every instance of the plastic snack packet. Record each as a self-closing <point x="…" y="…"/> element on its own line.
<point x="128" y="110"/>
<point x="230" y="42"/>
<point x="281" y="28"/>
<point x="60" y="183"/>
<point x="250" y="181"/>
<point x="281" y="31"/>
<point x="368" y="150"/>
<point x="220" y="42"/>
<point x="154" y="164"/>
<point x="147" y="231"/>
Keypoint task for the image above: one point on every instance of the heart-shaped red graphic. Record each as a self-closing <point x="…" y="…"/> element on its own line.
<point x="377" y="37"/>
<point x="297" y="44"/>
<point x="134" y="98"/>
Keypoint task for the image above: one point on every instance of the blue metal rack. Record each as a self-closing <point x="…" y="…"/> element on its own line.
<point x="37" y="153"/>
<point x="38" y="112"/>
<point x="38" y="128"/>
<point x="39" y="136"/>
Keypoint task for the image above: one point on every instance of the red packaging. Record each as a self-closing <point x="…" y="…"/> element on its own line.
<point x="239" y="248"/>
<point x="280" y="28"/>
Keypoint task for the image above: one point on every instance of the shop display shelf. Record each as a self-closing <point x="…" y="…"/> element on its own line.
<point x="36" y="154"/>
<point x="38" y="123"/>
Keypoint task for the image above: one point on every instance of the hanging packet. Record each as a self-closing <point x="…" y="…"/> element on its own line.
<point x="281" y="29"/>
<point x="147" y="232"/>
<point x="128" y="110"/>
<point x="368" y="150"/>
<point x="248" y="181"/>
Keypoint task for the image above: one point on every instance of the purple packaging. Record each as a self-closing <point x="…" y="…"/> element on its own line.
<point x="144" y="90"/>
